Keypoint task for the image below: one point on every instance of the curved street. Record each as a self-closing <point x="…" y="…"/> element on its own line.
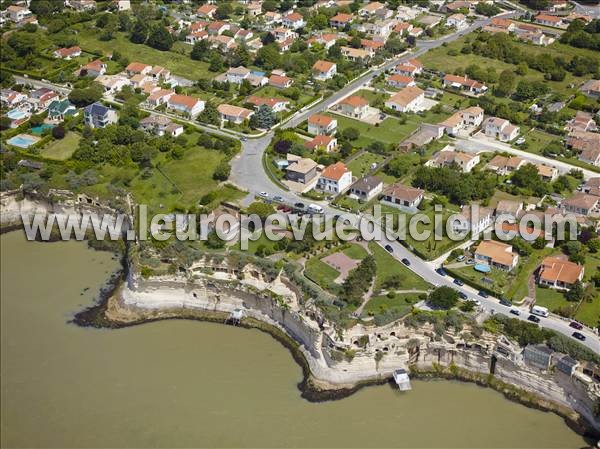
<point x="248" y="172"/>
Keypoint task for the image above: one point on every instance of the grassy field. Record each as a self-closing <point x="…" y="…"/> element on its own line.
<point x="390" y="131"/>
<point x="438" y="59"/>
<point x="518" y="289"/>
<point x="322" y="274"/>
<point x="537" y="140"/>
<point x="356" y="252"/>
<point x="177" y="60"/>
<point x="62" y="149"/>
<point x="399" y="305"/>
<point x="501" y="280"/>
<point x="362" y="164"/>
<point x="388" y="266"/>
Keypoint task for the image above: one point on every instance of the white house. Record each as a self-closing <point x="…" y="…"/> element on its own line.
<point x="459" y="21"/>
<point x="496" y="254"/>
<point x="234" y="114"/>
<point x="448" y="157"/>
<point x="469" y="117"/>
<point x="324" y="70"/>
<point x="500" y="129"/>
<point x="409" y="99"/>
<point x="402" y="197"/>
<point x="319" y="124"/>
<point x="335" y="178"/>
<point x="185" y="104"/>
<point x="293" y="20"/>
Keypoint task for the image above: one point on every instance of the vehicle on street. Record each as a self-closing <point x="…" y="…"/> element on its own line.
<point x="516" y="312"/>
<point x="299" y="206"/>
<point x="458" y="282"/>
<point x="389" y="248"/>
<point x="470" y="262"/>
<point x="460" y="258"/>
<point x="505" y="302"/>
<point x="539" y="310"/>
<point x="483" y="294"/>
<point x="462" y="295"/>
<point x="533" y="318"/>
<point x="263" y="194"/>
<point x="315" y="209"/>
<point x="278" y="198"/>
<point x="576" y="325"/>
<point x="441" y="271"/>
<point x="406" y="262"/>
<point x="579" y="336"/>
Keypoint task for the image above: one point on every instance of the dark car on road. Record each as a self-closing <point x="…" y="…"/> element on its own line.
<point x="299" y="206"/>
<point x="406" y="262"/>
<point x="533" y="319"/>
<point x="505" y="302"/>
<point x="441" y="271"/>
<point x="514" y="312"/>
<point x="458" y="282"/>
<point x="576" y="325"/>
<point x="461" y="295"/>
<point x="482" y="294"/>
<point x="389" y="248"/>
<point x="579" y="336"/>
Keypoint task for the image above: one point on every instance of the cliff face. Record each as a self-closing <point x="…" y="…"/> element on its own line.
<point x="344" y="358"/>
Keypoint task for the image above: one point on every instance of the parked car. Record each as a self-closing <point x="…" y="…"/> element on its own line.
<point x="460" y="258"/>
<point x="533" y="318"/>
<point x="458" y="282"/>
<point x="299" y="206"/>
<point x="406" y="262"/>
<point x="516" y="312"/>
<point x="278" y="198"/>
<point x="505" y="302"/>
<point x="389" y="248"/>
<point x="470" y="262"/>
<point x="263" y="194"/>
<point x="483" y="294"/>
<point x="579" y="336"/>
<point x="441" y="272"/>
<point x="461" y="295"/>
<point x="576" y="325"/>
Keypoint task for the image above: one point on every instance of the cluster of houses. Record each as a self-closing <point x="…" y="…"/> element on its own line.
<point x="583" y="138"/>
<point x="22" y="105"/>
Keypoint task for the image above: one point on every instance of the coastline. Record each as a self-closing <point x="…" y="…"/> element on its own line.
<point x="106" y="313"/>
<point x="110" y="311"/>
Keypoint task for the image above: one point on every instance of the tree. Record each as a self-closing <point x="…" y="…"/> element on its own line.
<point x="213" y="241"/>
<point x="200" y="49"/>
<point x="160" y="38"/>
<point x="263" y="210"/>
<point x="210" y="115"/>
<point x="222" y="171"/>
<point x="359" y="281"/>
<point x="263" y="118"/>
<point x="139" y="34"/>
<point x="87" y="96"/>
<point x="443" y="298"/>
<point x="216" y="62"/>
<point x="506" y="84"/>
<point x="282" y="146"/>
<point x="224" y="10"/>
<point x="268" y="57"/>
<point x="575" y="294"/>
<point x="350" y="133"/>
<point x="58" y="132"/>
<point x="23" y="43"/>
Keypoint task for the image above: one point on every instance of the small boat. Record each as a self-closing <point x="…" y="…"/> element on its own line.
<point x="402" y="380"/>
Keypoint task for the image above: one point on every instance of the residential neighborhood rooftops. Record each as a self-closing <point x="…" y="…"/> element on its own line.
<point x="323" y="66"/>
<point x="335" y="171"/>
<point x="233" y="111"/>
<point x="319" y="120"/>
<point x="404" y="192"/>
<point x="555" y="269"/>
<point x="498" y="252"/>
<point x="355" y="101"/>
<point x="302" y="165"/>
<point x="406" y="95"/>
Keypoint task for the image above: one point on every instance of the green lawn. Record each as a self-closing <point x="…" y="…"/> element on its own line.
<point x="518" y="290"/>
<point x="429" y="248"/>
<point x="62" y="149"/>
<point x="537" y="140"/>
<point x="177" y="60"/>
<point x="322" y="274"/>
<point x="356" y="252"/>
<point x="399" y="305"/>
<point x="390" y="131"/>
<point x="438" y="59"/>
<point x="362" y="164"/>
<point x="388" y="266"/>
<point x="501" y="280"/>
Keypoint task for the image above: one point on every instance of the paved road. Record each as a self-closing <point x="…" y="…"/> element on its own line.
<point x="589" y="10"/>
<point x="38" y="84"/>
<point x="248" y="171"/>
<point x="478" y="144"/>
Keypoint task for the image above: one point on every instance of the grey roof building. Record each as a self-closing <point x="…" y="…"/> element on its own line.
<point x="539" y="356"/>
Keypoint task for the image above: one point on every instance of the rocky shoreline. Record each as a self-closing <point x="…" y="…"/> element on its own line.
<point x="109" y="312"/>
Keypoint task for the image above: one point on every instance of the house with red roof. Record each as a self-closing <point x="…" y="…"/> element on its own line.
<point x="67" y="53"/>
<point x="335" y="178"/>
<point x="321" y="124"/>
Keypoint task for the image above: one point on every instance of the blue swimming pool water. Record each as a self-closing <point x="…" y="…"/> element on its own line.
<point x="15" y="114"/>
<point x="38" y="130"/>
<point x="21" y="141"/>
<point x="482" y="268"/>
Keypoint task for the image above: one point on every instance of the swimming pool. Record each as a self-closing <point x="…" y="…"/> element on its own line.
<point x="16" y="114"/>
<point x="482" y="268"/>
<point x="38" y="130"/>
<point x="23" y="140"/>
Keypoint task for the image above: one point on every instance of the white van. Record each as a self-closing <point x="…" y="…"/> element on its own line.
<point x="315" y="209"/>
<point x="539" y="310"/>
